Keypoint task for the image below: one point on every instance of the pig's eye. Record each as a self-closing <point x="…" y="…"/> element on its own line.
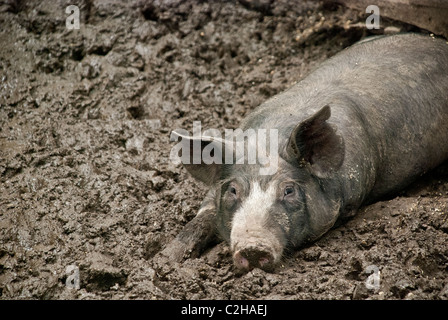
<point x="230" y="200"/>
<point x="288" y="190"/>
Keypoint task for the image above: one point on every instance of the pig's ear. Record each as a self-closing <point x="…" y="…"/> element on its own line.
<point x="202" y="157"/>
<point x="315" y="142"/>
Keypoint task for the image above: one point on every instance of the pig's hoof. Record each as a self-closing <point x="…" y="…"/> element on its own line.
<point x="249" y="258"/>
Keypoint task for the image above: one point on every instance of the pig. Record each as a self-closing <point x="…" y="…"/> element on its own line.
<point x="360" y="127"/>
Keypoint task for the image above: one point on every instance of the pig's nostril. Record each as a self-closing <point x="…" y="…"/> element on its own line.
<point x="264" y="261"/>
<point x="240" y="261"/>
<point x="249" y="258"/>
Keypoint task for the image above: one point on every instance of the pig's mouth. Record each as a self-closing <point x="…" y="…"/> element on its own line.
<point x="255" y="256"/>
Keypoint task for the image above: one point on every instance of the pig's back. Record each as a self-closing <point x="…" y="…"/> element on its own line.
<point x="385" y="69"/>
<point x="391" y="91"/>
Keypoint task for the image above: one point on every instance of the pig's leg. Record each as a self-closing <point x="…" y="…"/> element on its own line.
<point x="197" y="234"/>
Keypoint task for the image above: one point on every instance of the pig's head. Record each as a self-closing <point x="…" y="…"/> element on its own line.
<point x="262" y="215"/>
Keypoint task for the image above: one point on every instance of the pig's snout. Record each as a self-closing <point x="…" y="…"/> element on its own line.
<point x="249" y="258"/>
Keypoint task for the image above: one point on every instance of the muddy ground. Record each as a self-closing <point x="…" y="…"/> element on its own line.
<point x="85" y="179"/>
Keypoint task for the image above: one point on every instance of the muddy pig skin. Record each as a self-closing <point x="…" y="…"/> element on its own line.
<point x="362" y="126"/>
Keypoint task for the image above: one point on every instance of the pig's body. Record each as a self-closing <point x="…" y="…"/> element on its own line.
<point x="389" y="101"/>
<point x="363" y="125"/>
